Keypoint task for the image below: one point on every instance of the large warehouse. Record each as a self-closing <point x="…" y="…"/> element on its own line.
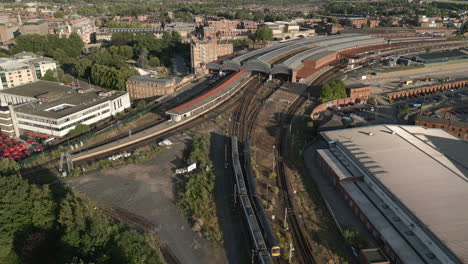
<point x="408" y="184"/>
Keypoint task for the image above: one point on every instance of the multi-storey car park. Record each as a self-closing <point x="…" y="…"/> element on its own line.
<point x="409" y="186"/>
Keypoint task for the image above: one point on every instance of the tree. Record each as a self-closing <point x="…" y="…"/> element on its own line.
<point x="57" y="76"/>
<point x="263" y="33"/>
<point x="141" y="105"/>
<point x="142" y="60"/>
<point x="154" y="62"/>
<point x="243" y="15"/>
<point x="35" y="228"/>
<point x="333" y="90"/>
<point x="258" y="15"/>
<point x="83" y="67"/>
<point x="332" y="20"/>
<point x="25" y="210"/>
<point x="59" y="14"/>
<point x="404" y="110"/>
<point x="354" y="237"/>
<point x="9" y="168"/>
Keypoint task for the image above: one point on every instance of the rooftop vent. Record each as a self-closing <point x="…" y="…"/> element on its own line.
<point x="370" y="134"/>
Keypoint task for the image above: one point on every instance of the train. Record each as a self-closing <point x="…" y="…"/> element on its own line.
<point x="261" y="246"/>
<point x="268" y="232"/>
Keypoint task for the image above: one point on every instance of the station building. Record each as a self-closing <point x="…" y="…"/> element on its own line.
<point x="51" y="109"/>
<point x="407" y="184"/>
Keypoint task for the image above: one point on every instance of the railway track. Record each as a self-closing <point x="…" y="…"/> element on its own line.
<point x="223" y="107"/>
<point x="301" y="241"/>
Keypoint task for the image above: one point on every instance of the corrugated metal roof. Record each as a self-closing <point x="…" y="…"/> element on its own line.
<point x="426" y="170"/>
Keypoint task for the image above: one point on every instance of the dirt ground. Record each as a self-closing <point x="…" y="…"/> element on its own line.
<point x="324" y="236"/>
<point x="148" y="190"/>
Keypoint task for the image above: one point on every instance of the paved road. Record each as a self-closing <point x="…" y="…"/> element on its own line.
<point x="148" y="190"/>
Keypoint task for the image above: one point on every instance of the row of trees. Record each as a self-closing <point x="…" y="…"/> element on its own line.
<point x="108" y="67"/>
<point x="43" y="225"/>
<point x="64" y="50"/>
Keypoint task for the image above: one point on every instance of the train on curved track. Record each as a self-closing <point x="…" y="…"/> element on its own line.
<point x="263" y="239"/>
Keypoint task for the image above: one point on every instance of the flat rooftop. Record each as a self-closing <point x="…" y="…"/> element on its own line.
<point x="426" y="169"/>
<point x="58" y="95"/>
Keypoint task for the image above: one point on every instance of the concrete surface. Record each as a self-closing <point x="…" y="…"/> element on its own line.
<point x="340" y="209"/>
<point x="148" y="190"/>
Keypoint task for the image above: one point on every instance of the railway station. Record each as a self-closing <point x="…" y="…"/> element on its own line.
<point x="407" y="184"/>
<point x="295" y="59"/>
<point x="209" y="99"/>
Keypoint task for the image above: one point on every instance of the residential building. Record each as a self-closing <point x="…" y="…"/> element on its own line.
<point x="23" y="68"/>
<point x="14" y="73"/>
<point x="140" y="87"/>
<point x="53" y="109"/>
<point x="83" y="26"/>
<point x="205" y="51"/>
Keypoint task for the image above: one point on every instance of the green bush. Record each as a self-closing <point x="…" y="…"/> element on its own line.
<point x="79" y="129"/>
<point x="333" y="90"/>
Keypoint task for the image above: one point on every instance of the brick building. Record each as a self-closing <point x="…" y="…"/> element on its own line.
<point x="205" y="51"/>
<point x="140" y="87"/>
<point x="455" y="127"/>
<point x="357" y="93"/>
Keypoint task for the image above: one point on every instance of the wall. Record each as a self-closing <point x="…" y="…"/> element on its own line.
<point x="454" y="129"/>
<point x="432" y="88"/>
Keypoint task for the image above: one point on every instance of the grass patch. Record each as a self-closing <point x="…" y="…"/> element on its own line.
<point x="403" y="68"/>
<point x="140" y="155"/>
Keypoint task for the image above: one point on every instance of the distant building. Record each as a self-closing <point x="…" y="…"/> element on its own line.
<point x="205" y="51"/>
<point x="83" y="26"/>
<point x="140" y="87"/>
<point x="287" y="30"/>
<point x="53" y="109"/>
<point x="8" y="32"/>
<point x="34" y="26"/>
<point x="435" y="57"/>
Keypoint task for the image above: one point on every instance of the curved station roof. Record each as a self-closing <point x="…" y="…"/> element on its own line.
<point x="286" y="57"/>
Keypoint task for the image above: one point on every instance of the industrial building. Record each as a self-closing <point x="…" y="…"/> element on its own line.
<point x="434" y="57"/>
<point x="52" y="109"/>
<point x="407" y="184"/>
